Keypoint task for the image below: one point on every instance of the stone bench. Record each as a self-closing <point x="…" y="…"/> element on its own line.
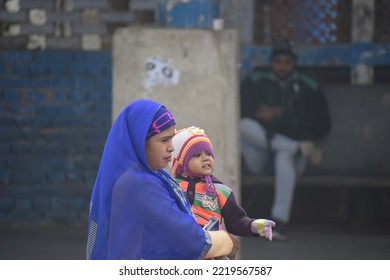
<point x="356" y="151"/>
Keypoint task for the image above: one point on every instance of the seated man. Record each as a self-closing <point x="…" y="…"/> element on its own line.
<point x="283" y="112"/>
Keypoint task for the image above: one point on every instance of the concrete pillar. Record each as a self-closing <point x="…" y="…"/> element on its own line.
<point x="239" y="14"/>
<point x="191" y="71"/>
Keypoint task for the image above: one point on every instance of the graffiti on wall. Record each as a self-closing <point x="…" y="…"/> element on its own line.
<point x="160" y="72"/>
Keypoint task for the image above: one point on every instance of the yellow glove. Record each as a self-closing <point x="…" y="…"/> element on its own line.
<point x="263" y="227"/>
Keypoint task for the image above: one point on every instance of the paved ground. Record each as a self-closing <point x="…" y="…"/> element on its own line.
<point x="42" y="243"/>
<point x="320" y="244"/>
<point x="305" y="243"/>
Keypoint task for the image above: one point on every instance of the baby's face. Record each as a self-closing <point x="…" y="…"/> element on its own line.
<point x="202" y="164"/>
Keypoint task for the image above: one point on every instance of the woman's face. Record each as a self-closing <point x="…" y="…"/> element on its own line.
<point x="159" y="148"/>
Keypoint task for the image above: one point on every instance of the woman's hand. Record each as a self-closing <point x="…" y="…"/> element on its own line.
<point x="235" y="249"/>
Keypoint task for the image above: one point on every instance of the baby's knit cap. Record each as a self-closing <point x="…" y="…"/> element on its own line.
<point x="188" y="142"/>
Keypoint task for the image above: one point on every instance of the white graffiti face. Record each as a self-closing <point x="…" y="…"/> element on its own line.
<point x="160" y="72"/>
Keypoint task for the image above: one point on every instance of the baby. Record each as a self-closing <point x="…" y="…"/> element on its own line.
<point x="192" y="166"/>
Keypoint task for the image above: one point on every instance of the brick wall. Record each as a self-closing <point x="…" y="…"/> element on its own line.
<point x="55" y="113"/>
<point x="68" y="24"/>
<point x="55" y="102"/>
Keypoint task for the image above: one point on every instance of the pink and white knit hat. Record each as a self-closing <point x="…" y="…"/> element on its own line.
<point x="187" y="143"/>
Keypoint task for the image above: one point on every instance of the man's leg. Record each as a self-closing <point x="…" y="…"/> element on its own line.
<point x="254" y="150"/>
<point x="253" y="145"/>
<point x="286" y="151"/>
<point x="285" y="176"/>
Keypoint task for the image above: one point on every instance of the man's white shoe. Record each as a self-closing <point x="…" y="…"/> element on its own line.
<point x="277" y="236"/>
<point x="310" y="151"/>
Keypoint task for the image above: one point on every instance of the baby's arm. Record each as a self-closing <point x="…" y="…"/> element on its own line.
<point x="237" y="221"/>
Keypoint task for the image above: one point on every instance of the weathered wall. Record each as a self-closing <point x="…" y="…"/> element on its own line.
<point x="68" y="24"/>
<point x="358" y="144"/>
<point x="55" y="112"/>
<point x="202" y="90"/>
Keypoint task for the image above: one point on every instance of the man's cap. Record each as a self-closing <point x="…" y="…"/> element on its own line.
<point x="284" y="47"/>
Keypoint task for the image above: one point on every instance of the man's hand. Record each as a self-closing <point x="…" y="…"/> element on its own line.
<point x="267" y="113"/>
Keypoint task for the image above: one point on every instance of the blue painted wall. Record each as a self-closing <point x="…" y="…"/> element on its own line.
<point x="55" y="112"/>
<point x="326" y="55"/>
<point x="192" y="14"/>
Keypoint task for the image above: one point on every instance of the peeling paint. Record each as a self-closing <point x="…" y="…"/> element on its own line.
<point x="367" y="54"/>
<point x="363" y="21"/>
<point x="36" y="42"/>
<point x="362" y="75"/>
<point x="38" y="16"/>
<point x="12" y="6"/>
<point x="172" y="3"/>
<point x="188" y="13"/>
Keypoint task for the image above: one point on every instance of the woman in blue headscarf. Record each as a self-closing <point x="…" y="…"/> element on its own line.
<point x="137" y="210"/>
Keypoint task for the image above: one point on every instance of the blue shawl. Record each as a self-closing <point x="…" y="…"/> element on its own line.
<point x="135" y="212"/>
